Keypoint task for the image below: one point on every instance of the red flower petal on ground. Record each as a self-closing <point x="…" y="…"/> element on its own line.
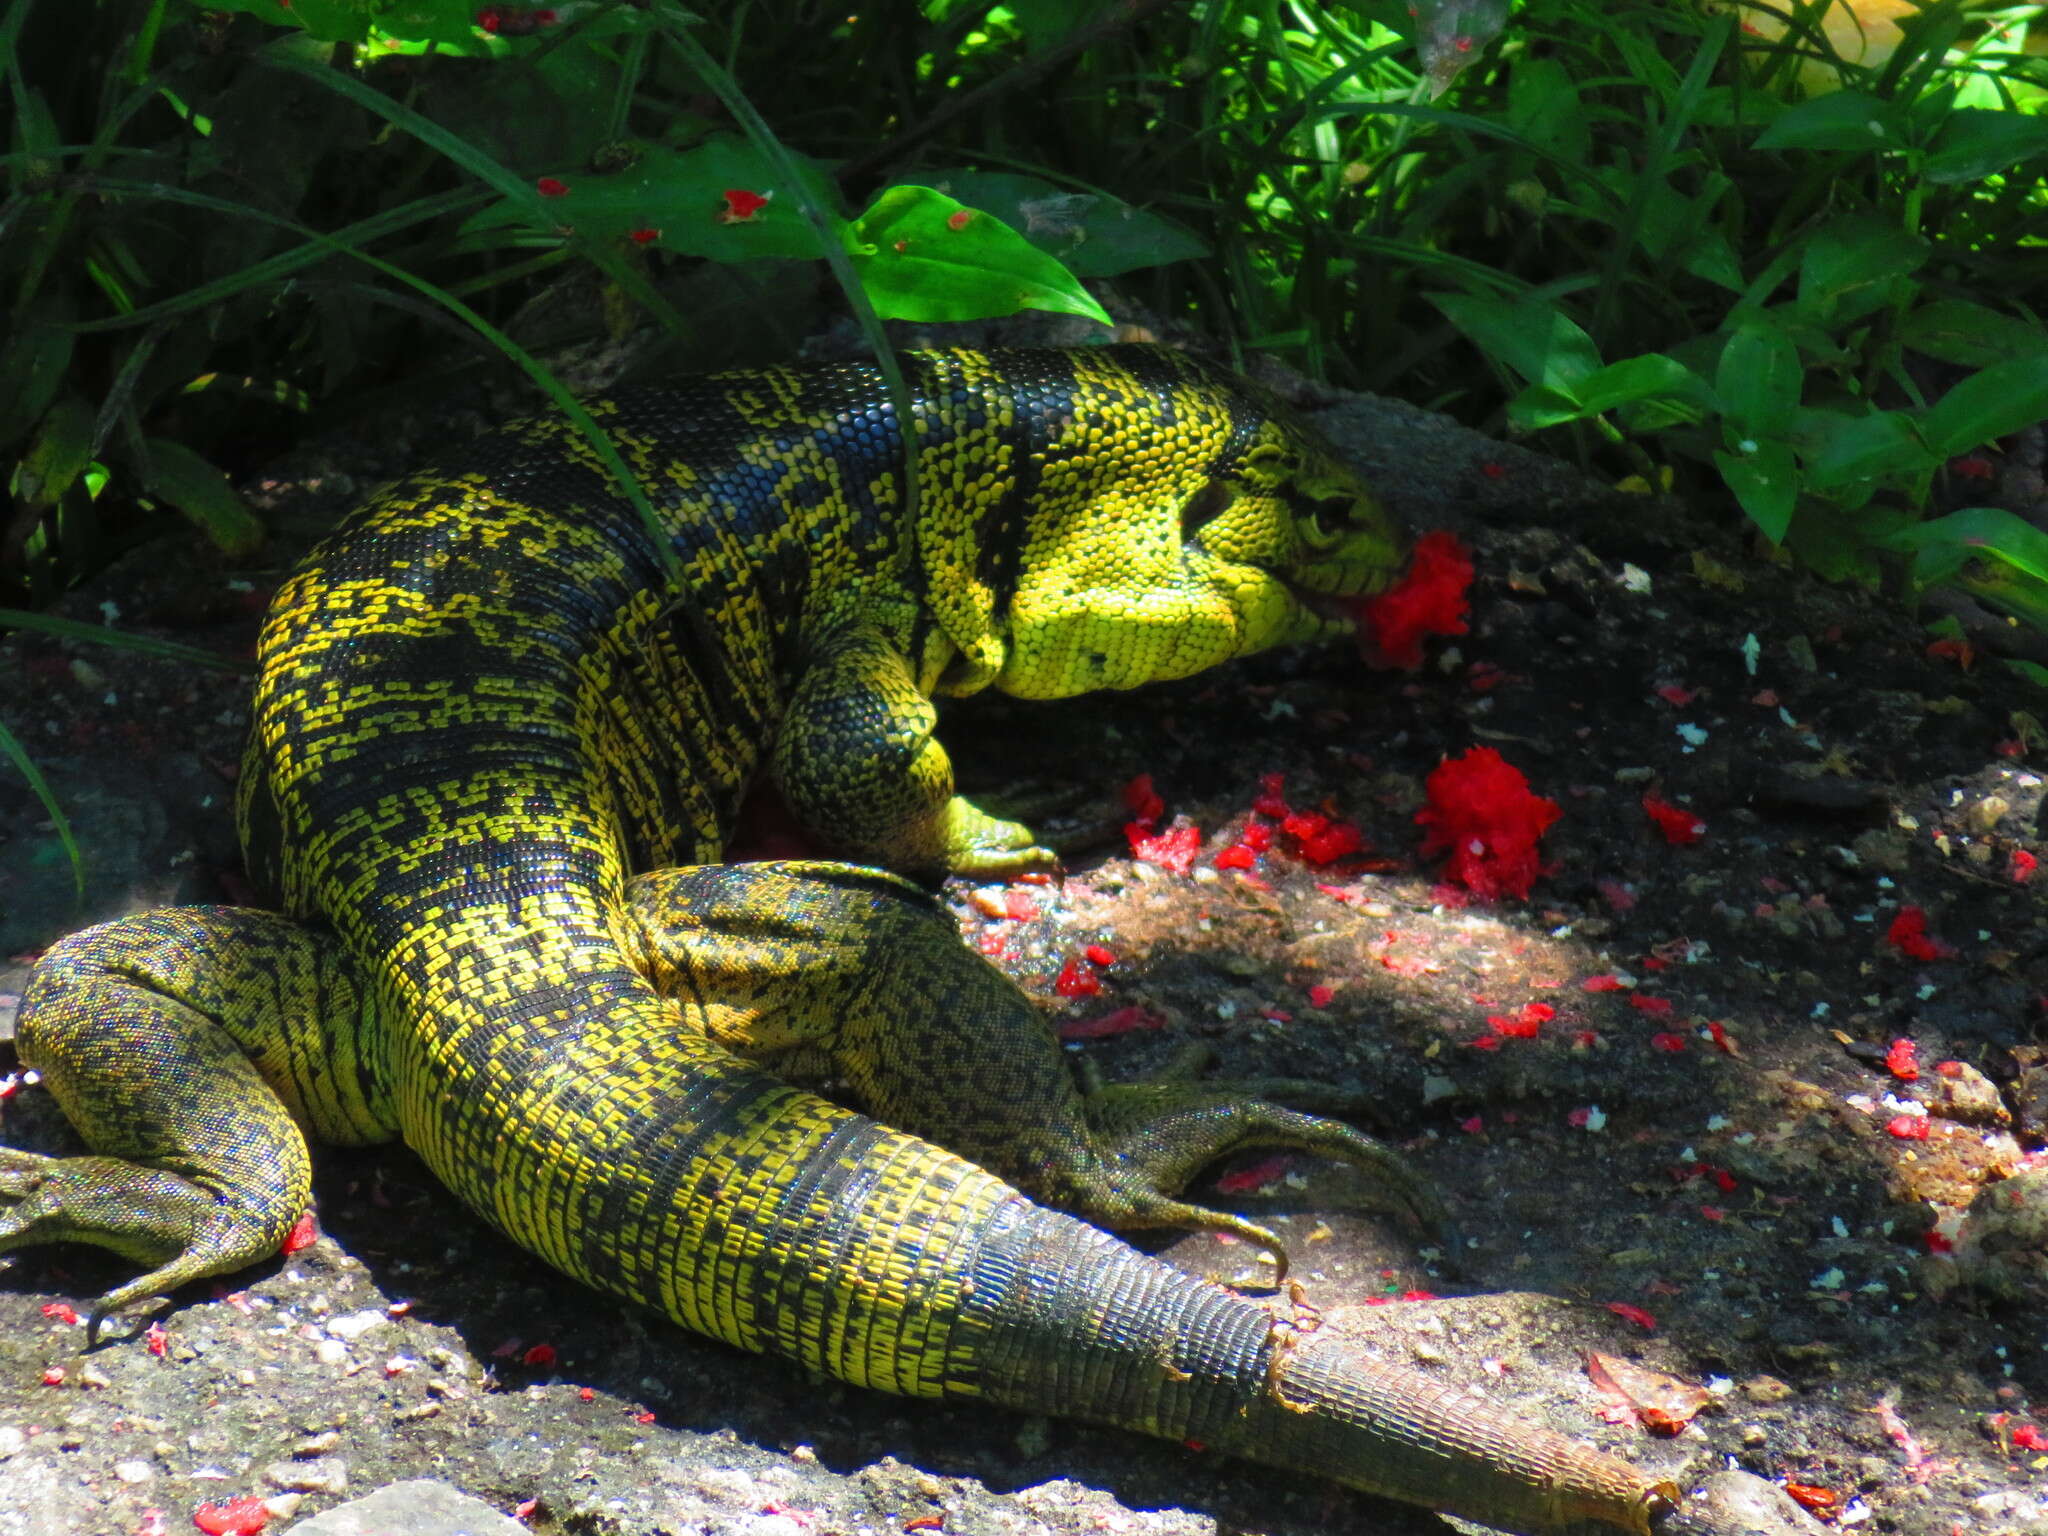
<point x="1077" y="980"/>
<point x="242" y="1517"/>
<point x="53" y="1375"/>
<point x="1713" y="1213"/>
<point x="302" y="1235"/>
<point x="1961" y="652"/>
<point x="1100" y="954"/>
<point x="1143" y="800"/>
<point x="1432" y="599"/>
<point x="1258" y="1176"/>
<point x="1018" y="906"/>
<point x="1257" y="836"/>
<point x="1668" y="1042"/>
<point x="1608" y="982"/>
<point x="540" y="1357"/>
<point x="1481" y="813"/>
<point x="1908" y="935"/>
<point x="1908" y="1127"/>
<point x="1173" y="850"/>
<point x="1272" y="797"/>
<point x="156" y="1340"/>
<point x="1678" y="826"/>
<point x="1320" y="996"/>
<point x="1634" y="1314"/>
<point x="1656" y="1007"/>
<point x="2028" y="1437"/>
<point x="2023" y="866"/>
<point x="1676" y="693"/>
<point x="62" y="1311"/>
<point x="1236" y="856"/>
<point x="1473" y="1126"/>
<point x="1903" y="1061"/>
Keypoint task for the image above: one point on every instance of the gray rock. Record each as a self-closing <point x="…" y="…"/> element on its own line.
<point x="420" y="1507"/>
<point x="1742" y="1504"/>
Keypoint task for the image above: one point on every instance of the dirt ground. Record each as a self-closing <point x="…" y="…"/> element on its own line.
<point x="1661" y="1095"/>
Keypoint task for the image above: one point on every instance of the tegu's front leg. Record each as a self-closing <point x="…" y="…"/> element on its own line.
<point x="857" y="761"/>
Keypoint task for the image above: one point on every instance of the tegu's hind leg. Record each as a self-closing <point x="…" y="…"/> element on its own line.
<point x="820" y="970"/>
<point x="193" y="1048"/>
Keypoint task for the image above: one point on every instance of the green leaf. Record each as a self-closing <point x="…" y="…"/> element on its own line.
<point x="1852" y="265"/>
<point x="1759" y="378"/>
<point x="1540" y="406"/>
<point x="676" y="199"/>
<point x="57" y="454"/>
<point x="1650" y="376"/>
<point x="921" y="255"/>
<point x="1766" y="483"/>
<point x="1941" y="545"/>
<point x="185" y="480"/>
<point x="1839" y="449"/>
<point x="1840" y="120"/>
<point x="1958" y="331"/>
<point x="1999" y="400"/>
<point x="1534" y="339"/>
<point x="2032" y="671"/>
<point x="1974" y="143"/>
<point x="1091" y="234"/>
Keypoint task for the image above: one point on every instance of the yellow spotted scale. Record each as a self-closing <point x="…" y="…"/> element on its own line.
<point x="496" y="754"/>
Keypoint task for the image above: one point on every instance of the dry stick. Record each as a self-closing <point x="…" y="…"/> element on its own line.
<point x="1127" y="14"/>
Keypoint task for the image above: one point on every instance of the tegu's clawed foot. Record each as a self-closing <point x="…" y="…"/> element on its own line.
<point x="180" y="1230"/>
<point x="983" y="846"/>
<point x="1164" y="1131"/>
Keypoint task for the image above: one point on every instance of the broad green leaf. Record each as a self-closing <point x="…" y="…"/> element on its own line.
<point x="1838" y="449"/>
<point x="1540" y="406"/>
<point x="1942" y="544"/>
<point x="921" y="255"/>
<point x="1958" y="331"/>
<point x="185" y="480"/>
<point x="1998" y="400"/>
<point x="1536" y="340"/>
<point x="448" y="23"/>
<point x="1543" y="106"/>
<point x="57" y="454"/>
<point x="1759" y="378"/>
<point x="1851" y="266"/>
<point x="1091" y="234"/>
<point x="2032" y="671"/>
<point x="1840" y="120"/>
<point x="1974" y="143"/>
<point x="1766" y="483"/>
<point x="1650" y="376"/>
<point x="677" y="199"/>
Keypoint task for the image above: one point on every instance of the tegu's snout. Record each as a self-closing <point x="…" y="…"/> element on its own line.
<point x="1252" y="534"/>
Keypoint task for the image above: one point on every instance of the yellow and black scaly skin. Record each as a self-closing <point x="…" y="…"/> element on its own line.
<point x="495" y="754"/>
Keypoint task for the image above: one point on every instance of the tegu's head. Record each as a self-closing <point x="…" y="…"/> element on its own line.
<point x="1180" y="523"/>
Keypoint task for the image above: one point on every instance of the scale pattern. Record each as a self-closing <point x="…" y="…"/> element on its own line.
<point x="495" y="755"/>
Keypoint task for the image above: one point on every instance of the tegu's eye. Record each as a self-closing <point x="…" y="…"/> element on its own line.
<point x="1331" y="514"/>
<point x="1204" y="507"/>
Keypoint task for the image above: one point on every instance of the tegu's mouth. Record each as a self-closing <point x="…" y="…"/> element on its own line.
<point x="1342" y="611"/>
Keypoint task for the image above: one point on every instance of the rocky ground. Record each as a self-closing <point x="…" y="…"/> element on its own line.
<point x="1663" y="1094"/>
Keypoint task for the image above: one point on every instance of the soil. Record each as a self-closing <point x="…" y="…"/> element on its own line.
<point x="1660" y="1093"/>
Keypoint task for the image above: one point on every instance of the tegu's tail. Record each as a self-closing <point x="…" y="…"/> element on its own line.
<point x="1071" y="1321"/>
<point x="646" y="1159"/>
